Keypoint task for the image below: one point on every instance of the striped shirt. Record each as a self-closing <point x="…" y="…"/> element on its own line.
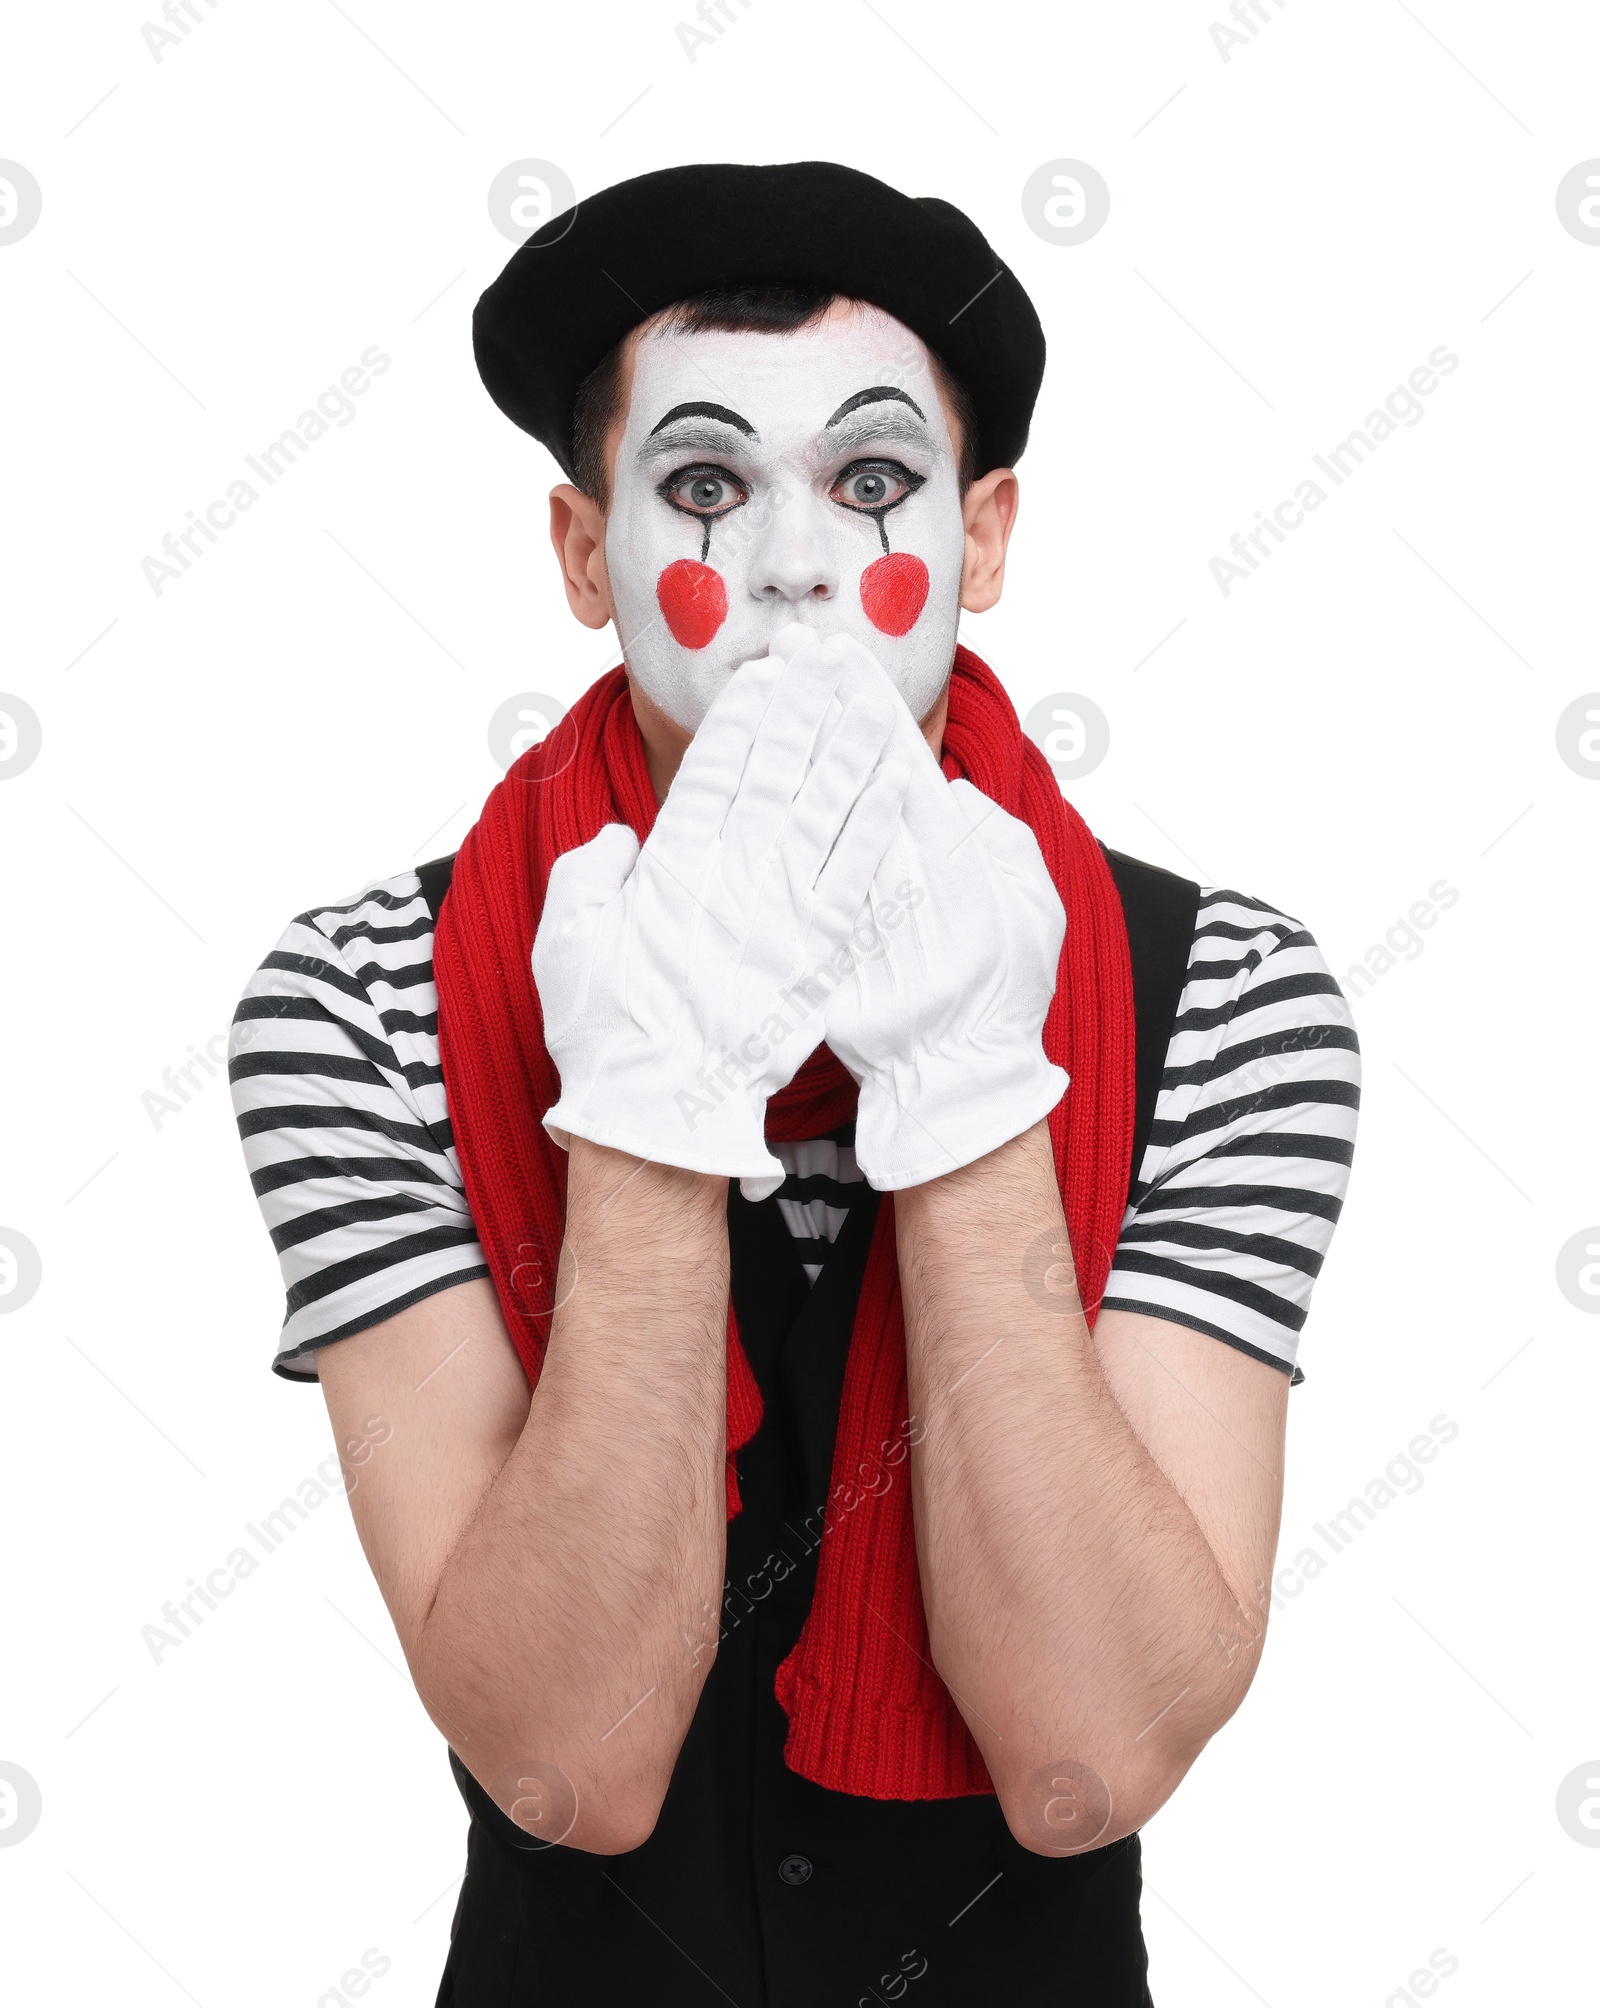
<point x="334" y="1065"/>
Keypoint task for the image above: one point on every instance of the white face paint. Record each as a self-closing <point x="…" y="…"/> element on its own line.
<point x="763" y="479"/>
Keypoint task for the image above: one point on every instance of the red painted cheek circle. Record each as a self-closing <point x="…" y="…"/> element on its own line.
<point x="894" y="591"/>
<point x="694" y="601"/>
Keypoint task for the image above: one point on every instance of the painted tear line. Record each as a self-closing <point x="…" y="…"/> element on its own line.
<point x="894" y="591"/>
<point x="694" y="601"/>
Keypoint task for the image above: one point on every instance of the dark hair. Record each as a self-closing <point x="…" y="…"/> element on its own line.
<point x="736" y="309"/>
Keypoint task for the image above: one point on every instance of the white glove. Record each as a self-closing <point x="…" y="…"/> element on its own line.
<point x="942" y="1015"/>
<point x="663" y="972"/>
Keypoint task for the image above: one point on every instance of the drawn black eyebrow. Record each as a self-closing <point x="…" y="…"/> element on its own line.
<point x="877" y="395"/>
<point x="719" y="412"/>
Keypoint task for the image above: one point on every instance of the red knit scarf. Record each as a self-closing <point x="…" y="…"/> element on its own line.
<point x="867" y="1712"/>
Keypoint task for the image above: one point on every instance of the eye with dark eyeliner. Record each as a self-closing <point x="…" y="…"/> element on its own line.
<point x="874" y="487"/>
<point x="703" y="490"/>
<point x="707" y="493"/>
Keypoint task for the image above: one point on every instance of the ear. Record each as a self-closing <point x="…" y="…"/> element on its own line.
<point x="578" y="532"/>
<point x="988" y="510"/>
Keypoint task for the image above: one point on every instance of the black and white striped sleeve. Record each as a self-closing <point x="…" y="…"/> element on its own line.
<point x="334" y="1068"/>
<point x="1244" y="1175"/>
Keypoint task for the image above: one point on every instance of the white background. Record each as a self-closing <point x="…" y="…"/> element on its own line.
<point x="1292" y="231"/>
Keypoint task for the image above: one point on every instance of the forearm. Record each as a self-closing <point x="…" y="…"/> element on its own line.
<point x="1074" y="1607"/>
<point x="575" y="1620"/>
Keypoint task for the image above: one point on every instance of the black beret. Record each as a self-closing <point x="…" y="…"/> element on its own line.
<point x="589" y="275"/>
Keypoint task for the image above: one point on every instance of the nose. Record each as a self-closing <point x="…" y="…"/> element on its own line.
<point x="791" y="561"/>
